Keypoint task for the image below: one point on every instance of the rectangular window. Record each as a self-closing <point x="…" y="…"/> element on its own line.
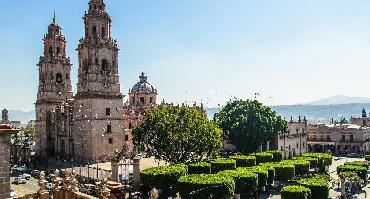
<point x="351" y="138"/>
<point x="151" y="100"/>
<point x="110" y="140"/>
<point x="343" y="137"/>
<point x="130" y="125"/>
<point x="126" y="137"/>
<point x="328" y="138"/>
<point x="107" y="112"/>
<point x="142" y="100"/>
<point x="109" y="128"/>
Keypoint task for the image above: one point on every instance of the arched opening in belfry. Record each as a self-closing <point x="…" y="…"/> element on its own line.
<point x="59" y="78"/>
<point x="94" y="30"/>
<point x="104" y="65"/>
<point x="58" y="50"/>
<point x="103" y="31"/>
<point x="50" y="51"/>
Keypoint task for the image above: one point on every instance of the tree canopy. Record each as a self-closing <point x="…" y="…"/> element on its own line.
<point x="248" y="124"/>
<point x="178" y="135"/>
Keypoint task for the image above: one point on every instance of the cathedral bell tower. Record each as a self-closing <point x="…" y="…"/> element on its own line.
<point x="54" y="82"/>
<point x="98" y="101"/>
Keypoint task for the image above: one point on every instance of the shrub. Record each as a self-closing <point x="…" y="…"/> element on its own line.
<point x="262" y="173"/>
<point x="313" y="161"/>
<point x="318" y="185"/>
<point x="199" y="168"/>
<point x="245" y="182"/>
<point x="277" y="155"/>
<point x="221" y="164"/>
<point x="244" y="160"/>
<point x="359" y="163"/>
<point x="200" y="186"/>
<point x="271" y="171"/>
<point x="295" y="192"/>
<point x="367" y="157"/>
<point x="324" y="159"/>
<point x="361" y="171"/>
<point x="284" y="172"/>
<point x="349" y="175"/>
<point x="162" y="177"/>
<point x="263" y="157"/>
<point x="301" y="166"/>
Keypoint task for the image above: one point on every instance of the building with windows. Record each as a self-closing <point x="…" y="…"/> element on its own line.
<point x="293" y="142"/>
<point x="86" y="126"/>
<point x="338" y="138"/>
<point x="5" y="136"/>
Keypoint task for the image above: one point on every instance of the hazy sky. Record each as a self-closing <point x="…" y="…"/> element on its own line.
<point x="204" y="50"/>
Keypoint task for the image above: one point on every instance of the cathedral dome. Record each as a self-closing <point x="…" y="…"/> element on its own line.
<point x="143" y="86"/>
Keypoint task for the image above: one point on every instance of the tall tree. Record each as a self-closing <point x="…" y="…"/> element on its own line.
<point x="178" y="135"/>
<point x="248" y="124"/>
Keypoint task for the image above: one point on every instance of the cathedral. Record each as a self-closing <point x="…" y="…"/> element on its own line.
<point x="93" y="123"/>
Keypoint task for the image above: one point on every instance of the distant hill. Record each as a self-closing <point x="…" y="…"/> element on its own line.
<point x="339" y="99"/>
<point x="314" y="113"/>
<point x="23" y="116"/>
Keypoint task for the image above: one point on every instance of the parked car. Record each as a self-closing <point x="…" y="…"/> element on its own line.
<point x="353" y="155"/>
<point x="21" y="168"/>
<point x="13" y="194"/>
<point x="49" y="186"/>
<point x="20" y="180"/>
<point x="26" y="176"/>
<point x="89" y="189"/>
<point x="35" y="173"/>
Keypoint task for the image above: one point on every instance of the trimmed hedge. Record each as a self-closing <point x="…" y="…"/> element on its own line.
<point x="302" y="167"/>
<point x="284" y="172"/>
<point x="162" y="177"/>
<point x="199" y="168"/>
<point x="245" y="182"/>
<point x="200" y="186"/>
<point x="364" y="164"/>
<point x="361" y="171"/>
<point x="318" y="185"/>
<point x="349" y="175"/>
<point x="263" y="157"/>
<point x="324" y="159"/>
<point x="244" y="160"/>
<point x="221" y="164"/>
<point x="313" y="161"/>
<point x="262" y="173"/>
<point x="295" y="192"/>
<point x="367" y="157"/>
<point x="277" y="155"/>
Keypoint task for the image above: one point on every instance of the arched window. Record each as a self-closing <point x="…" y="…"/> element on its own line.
<point x="50" y="51"/>
<point x="94" y="30"/>
<point x="104" y="65"/>
<point x="103" y="32"/>
<point x="58" y="50"/>
<point x="59" y="78"/>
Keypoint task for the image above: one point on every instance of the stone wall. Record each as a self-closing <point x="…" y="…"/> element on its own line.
<point x="5" y="133"/>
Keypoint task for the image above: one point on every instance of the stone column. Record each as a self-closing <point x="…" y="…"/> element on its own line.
<point x="114" y="165"/>
<point x="5" y="132"/>
<point x="136" y="173"/>
<point x="267" y="145"/>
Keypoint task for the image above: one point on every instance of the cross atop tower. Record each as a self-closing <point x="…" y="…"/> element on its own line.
<point x="54" y="18"/>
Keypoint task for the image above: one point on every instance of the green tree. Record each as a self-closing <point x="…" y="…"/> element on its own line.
<point x="29" y="131"/>
<point x="248" y="124"/>
<point x="178" y="135"/>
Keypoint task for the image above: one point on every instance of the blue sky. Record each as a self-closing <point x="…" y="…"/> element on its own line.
<point x="204" y="50"/>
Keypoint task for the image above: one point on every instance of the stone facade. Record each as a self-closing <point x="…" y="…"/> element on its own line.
<point x="87" y="126"/>
<point x="294" y="142"/>
<point x="338" y="138"/>
<point x="5" y="133"/>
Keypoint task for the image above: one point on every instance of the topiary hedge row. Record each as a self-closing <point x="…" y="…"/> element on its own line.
<point x="277" y="155"/>
<point x="246" y="182"/>
<point x="199" y="168"/>
<point x="318" y="185"/>
<point x="162" y="177"/>
<point x="262" y="173"/>
<point x="284" y="172"/>
<point x="360" y="170"/>
<point x="295" y="192"/>
<point x="364" y="164"/>
<point x="367" y="157"/>
<point x="324" y="159"/>
<point x="244" y="160"/>
<point x="263" y="157"/>
<point x="221" y="164"/>
<point x="200" y="186"/>
<point x="313" y="161"/>
<point x="301" y="167"/>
